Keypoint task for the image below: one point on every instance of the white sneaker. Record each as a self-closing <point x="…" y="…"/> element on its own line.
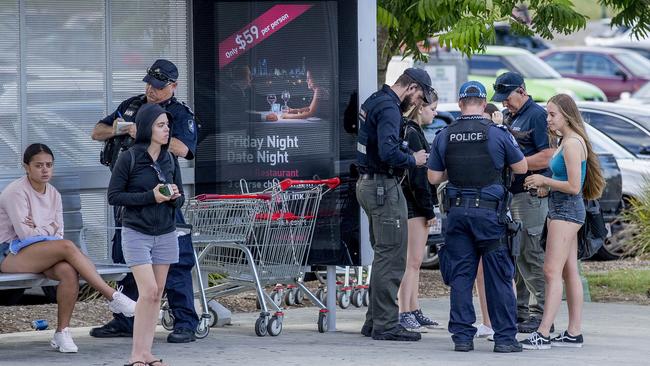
<point x="63" y="342"/>
<point x="121" y="304"/>
<point x="484" y="331"/>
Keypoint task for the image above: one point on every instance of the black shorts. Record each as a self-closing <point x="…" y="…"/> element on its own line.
<point x="414" y="211"/>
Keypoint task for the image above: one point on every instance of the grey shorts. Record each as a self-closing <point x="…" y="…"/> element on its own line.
<point x="4" y="251"/>
<point x="566" y="207"/>
<point x="141" y="248"/>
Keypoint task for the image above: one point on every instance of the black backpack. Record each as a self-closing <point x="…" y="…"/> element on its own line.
<point x="117" y="144"/>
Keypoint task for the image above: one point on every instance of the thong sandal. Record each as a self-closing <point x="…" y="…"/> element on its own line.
<point x="136" y="363"/>
<point x="152" y="363"/>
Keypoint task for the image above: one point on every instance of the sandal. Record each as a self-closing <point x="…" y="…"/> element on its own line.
<point x="152" y="363"/>
<point x="136" y="363"/>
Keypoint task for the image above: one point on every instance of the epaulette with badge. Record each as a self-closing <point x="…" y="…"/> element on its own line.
<point x="501" y="126"/>
<point x="187" y="107"/>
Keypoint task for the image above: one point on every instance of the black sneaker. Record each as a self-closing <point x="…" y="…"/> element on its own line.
<point x="424" y="320"/>
<point x="366" y="330"/>
<point x="567" y="340"/>
<point x="397" y="333"/>
<point x="109" y="330"/>
<point x="536" y="341"/>
<point x="464" y="347"/>
<point x="181" y="336"/>
<point x="507" y="348"/>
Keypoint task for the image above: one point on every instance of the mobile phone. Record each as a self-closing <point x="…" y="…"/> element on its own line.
<point x="166" y="190"/>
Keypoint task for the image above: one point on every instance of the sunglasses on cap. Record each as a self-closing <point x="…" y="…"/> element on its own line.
<point x="159" y="76"/>
<point x="504" y="88"/>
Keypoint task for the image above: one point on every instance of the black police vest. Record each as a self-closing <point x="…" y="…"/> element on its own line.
<point x="116" y="144"/>
<point x="468" y="160"/>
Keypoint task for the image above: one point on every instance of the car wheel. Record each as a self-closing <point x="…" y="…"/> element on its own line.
<point x="614" y="247"/>
<point x="430" y="260"/>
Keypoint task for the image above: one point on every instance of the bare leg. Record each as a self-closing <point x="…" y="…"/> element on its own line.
<point x="66" y="292"/>
<point x="561" y="235"/>
<point x="38" y="257"/>
<point x="480" y="288"/>
<point x="151" y="283"/>
<point x="408" y="290"/>
<point x="574" y="295"/>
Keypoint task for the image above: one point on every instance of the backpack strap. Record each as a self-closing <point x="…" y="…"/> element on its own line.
<point x="132" y="165"/>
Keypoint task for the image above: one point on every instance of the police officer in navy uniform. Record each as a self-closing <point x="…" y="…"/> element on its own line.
<point x="161" y="82"/>
<point x="472" y="153"/>
<point x="382" y="160"/>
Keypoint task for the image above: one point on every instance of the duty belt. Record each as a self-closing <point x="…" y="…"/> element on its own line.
<point x="375" y="176"/>
<point x="472" y="203"/>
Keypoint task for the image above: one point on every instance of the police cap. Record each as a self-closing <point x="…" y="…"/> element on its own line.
<point x="161" y="73"/>
<point x="422" y="78"/>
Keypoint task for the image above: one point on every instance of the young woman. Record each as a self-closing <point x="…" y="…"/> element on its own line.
<point x="149" y="240"/>
<point x="420" y="198"/>
<point x="318" y="104"/>
<point x="31" y="211"/>
<point x="576" y="174"/>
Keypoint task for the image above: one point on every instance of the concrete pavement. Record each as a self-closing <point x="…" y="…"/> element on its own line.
<point x="614" y="334"/>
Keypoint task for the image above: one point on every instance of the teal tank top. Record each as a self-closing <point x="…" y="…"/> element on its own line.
<point x="558" y="167"/>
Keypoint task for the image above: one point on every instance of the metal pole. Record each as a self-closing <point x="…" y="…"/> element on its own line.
<point x="331" y="298"/>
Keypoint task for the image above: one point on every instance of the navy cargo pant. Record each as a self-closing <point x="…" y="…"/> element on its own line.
<point x="388" y="237"/>
<point x="180" y="293"/>
<point x="472" y="233"/>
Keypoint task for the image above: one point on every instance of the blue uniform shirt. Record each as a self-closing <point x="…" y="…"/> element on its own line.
<point x="378" y="145"/>
<point x="503" y="149"/>
<point x="183" y="126"/>
<point x="530" y="121"/>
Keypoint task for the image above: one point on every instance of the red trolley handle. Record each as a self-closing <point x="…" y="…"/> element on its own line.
<point x="330" y="183"/>
<point x="212" y="197"/>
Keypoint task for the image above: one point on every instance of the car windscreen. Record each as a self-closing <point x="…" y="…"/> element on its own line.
<point x="530" y="66"/>
<point x="637" y="64"/>
<point x="631" y="137"/>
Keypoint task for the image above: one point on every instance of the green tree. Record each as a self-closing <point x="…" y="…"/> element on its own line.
<point x="468" y="25"/>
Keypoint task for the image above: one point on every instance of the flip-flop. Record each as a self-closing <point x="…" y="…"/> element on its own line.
<point x="152" y="363"/>
<point x="136" y="363"/>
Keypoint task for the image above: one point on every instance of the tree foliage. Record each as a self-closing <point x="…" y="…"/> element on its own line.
<point x="468" y="25"/>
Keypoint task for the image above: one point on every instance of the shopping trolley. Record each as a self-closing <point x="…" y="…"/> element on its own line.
<point x="255" y="240"/>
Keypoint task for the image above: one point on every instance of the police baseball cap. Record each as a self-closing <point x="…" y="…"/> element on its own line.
<point x="505" y="84"/>
<point x="422" y="78"/>
<point x="472" y="89"/>
<point x="161" y="73"/>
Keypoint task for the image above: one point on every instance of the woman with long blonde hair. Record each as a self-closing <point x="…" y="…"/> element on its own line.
<point x="576" y="176"/>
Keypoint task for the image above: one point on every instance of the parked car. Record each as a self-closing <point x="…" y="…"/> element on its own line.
<point x="542" y="82"/>
<point x="614" y="70"/>
<point x="610" y="201"/>
<point x="505" y="37"/>
<point x="619" y="36"/>
<point x="627" y="129"/>
<point x="640" y="97"/>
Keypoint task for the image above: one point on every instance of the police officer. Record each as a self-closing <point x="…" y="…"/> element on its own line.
<point x="472" y="153"/>
<point x="527" y="120"/>
<point x="161" y="82"/>
<point x="382" y="160"/>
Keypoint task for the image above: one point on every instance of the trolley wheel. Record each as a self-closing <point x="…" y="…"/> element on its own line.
<point x="344" y="300"/>
<point x="276" y="297"/>
<point x="167" y="320"/>
<point x="260" y="326"/>
<point x="203" y="329"/>
<point x="366" y="297"/>
<point x="322" y="322"/>
<point x="299" y="296"/>
<point x="275" y="326"/>
<point x="321" y="294"/>
<point x="357" y="298"/>
<point x="290" y="297"/>
<point x="214" y="318"/>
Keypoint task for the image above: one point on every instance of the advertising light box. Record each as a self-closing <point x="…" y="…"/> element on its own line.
<point x="272" y="82"/>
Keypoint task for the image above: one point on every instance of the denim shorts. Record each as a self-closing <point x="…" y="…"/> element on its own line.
<point x="4" y="251"/>
<point x="566" y="207"/>
<point x="139" y="248"/>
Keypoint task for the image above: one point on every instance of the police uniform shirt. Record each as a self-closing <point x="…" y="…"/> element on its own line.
<point x="502" y="147"/>
<point x="530" y="120"/>
<point x="379" y="125"/>
<point x="183" y="127"/>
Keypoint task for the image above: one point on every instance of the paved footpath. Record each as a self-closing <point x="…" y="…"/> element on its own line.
<point x="615" y="334"/>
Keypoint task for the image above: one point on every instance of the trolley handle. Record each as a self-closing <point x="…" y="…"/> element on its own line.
<point x="330" y="183"/>
<point x="212" y="197"/>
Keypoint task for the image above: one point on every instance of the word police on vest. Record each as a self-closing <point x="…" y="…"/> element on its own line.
<point x="466" y="136"/>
